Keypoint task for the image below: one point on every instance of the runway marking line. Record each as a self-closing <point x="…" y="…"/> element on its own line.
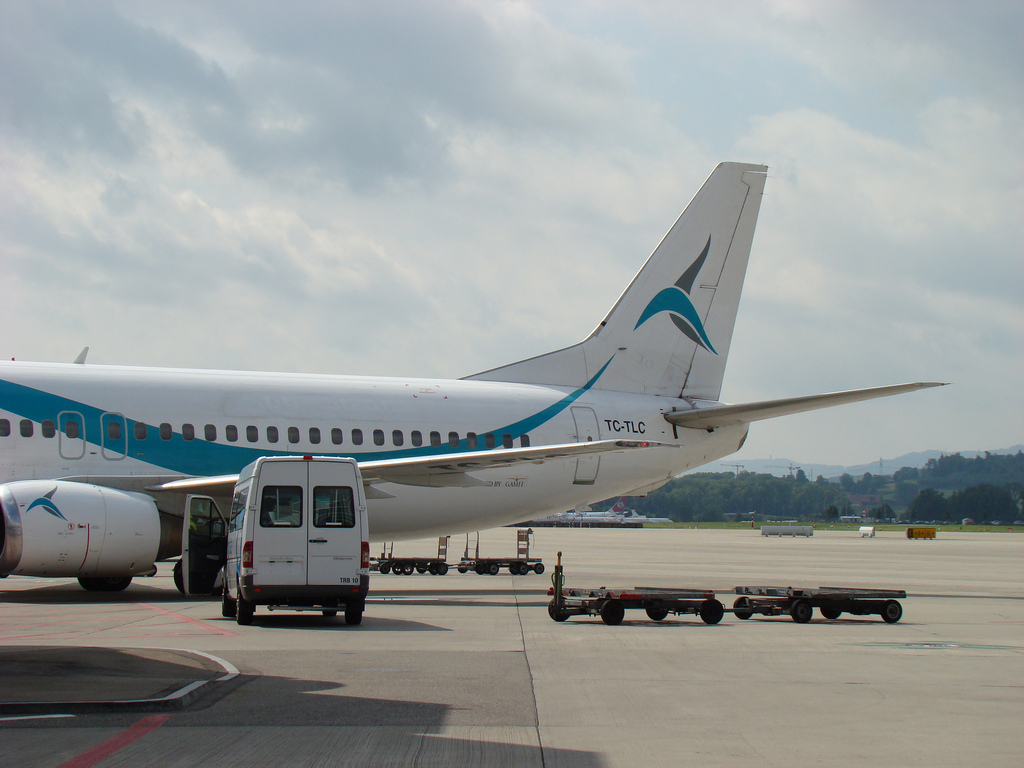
<point x="116" y="743"/>
<point x="189" y="620"/>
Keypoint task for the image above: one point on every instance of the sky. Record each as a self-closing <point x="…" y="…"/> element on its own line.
<point x="438" y="188"/>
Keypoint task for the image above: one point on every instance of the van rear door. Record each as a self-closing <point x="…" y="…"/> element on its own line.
<point x="335" y="524"/>
<point x="279" y="531"/>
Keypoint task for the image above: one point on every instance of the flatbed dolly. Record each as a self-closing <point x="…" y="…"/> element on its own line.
<point x="800" y="603"/>
<point x="612" y="604"/>
<point x="435" y="566"/>
<point x="520" y="565"/>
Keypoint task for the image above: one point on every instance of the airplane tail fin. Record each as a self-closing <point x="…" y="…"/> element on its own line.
<point x="669" y="333"/>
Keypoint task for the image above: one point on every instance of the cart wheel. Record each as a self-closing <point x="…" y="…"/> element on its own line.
<point x="246" y="611"/>
<point x="830" y="613"/>
<point x="711" y="611"/>
<point x="656" y="614"/>
<point x="462" y="569"/>
<point x="741" y="608"/>
<point x="228" y="606"/>
<point x="407" y="570"/>
<point x="556" y="614"/>
<point x="493" y="569"/>
<point x="513" y="568"/>
<point x="892" y="612"/>
<point x="421" y="569"/>
<point x="538" y="568"/>
<point x="441" y="569"/>
<point x="385" y="568"/>
<point x="612" y="612"/>
<point x="801" y="611"/>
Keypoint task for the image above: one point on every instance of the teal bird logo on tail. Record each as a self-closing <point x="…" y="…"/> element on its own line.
<point x="676" y="301"/>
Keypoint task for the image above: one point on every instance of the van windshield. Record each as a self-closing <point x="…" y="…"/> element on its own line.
<point x="281" y="506"/>
<point x="333" y="507"/>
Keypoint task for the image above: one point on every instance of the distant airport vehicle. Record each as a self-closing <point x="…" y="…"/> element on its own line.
<point x="298" y="539"/>
<point x="97" y="461"/>
<point x="617" y="515"/>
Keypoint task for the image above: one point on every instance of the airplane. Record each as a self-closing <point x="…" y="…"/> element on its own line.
<point x="617" y="515"/>
<point x="100" y="465"/>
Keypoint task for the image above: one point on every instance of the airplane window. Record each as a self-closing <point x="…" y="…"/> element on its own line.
<point x="314" y="436"/>
<point x="113" y="430"/>
<point x="231" y="433"/>
<point x="252" y="434"/>
<point x="435" y="439"/>
<point x="471" y="439"/>
<point x="417" y="438"/>
<point x="524" y="441"/>
<point x="357" y="437"/>
<point x="210" y="432"/>
<point x="140" y="430"/>
<point x="5" y="428"/>
<point x="272" y="434"/>
<point x="337" y="436"/>
<point x="506" y="440"/>
<point x="378" y="437"/>
<point x="293" y="434"/>
<point x="188" y="432"/>
<point x="49" y="428"/>
<point x="453" y="439"/>
<point x="397" y="437"/>
<point x="70" y="429"/>
<point x="165" y="431"/>
<point x="26" y="428"/>
<point x="489" y="440"/>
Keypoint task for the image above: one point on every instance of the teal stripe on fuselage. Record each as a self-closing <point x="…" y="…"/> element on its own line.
<point x="178" y="456"/>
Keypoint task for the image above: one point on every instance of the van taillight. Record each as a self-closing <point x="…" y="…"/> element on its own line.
<point x="247" y="555"/>
<point x="364" y="559"/>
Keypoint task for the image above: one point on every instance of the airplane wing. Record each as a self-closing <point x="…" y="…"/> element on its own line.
<point x="714" y="416"/>
<point x="449" y="470"/>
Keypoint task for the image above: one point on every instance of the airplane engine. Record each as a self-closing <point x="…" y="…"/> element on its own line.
<point x="102" y="536"/>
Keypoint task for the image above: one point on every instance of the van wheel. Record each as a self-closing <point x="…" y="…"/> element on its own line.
<point x="246" y="611"/>
<point x="228" y="606"/>
<point x="354" y="614"/>
<point x="179" y="580"/>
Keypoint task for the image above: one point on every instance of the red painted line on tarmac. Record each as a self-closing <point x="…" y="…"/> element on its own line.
<point x="116" y="743"/>
<point x="195" y="622"/>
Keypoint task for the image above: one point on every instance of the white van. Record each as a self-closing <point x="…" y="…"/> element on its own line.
<point x="298" y="538"/>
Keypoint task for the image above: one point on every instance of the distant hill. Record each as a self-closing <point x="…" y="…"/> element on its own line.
<point x="780" y="467"/>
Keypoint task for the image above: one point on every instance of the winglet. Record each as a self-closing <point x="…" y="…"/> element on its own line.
<point x="80" y="360"/>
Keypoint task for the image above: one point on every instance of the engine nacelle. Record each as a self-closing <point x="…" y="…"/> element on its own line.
<point x="62" y="528"/>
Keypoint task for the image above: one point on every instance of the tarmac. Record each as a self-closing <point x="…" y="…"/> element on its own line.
<point x="470" y="670"/>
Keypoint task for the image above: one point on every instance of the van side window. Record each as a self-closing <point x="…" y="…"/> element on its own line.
<point x="238" y="507"/>
<point x="333" y="507"/>
<point x="281" y="506"/>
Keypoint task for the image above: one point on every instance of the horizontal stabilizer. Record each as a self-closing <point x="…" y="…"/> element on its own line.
<point x="715" y="416"/>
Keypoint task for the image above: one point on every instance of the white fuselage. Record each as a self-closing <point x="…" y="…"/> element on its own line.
<point x="139" y="426"/>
